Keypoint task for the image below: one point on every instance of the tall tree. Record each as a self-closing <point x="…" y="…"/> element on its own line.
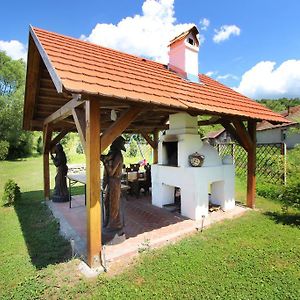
<point x="12" y="86"/>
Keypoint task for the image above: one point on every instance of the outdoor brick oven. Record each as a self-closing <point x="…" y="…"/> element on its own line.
<point x="173" y="170"/>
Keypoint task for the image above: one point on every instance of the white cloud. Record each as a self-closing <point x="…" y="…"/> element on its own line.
<point x="145" y="35"/>
<point x="227" y="76"/>
<point x="225" y="32"/>
<point x="14" y="49"/>
<point x="204" y="24"/>
<point x="265" y="81"/>
<point x="211" y="73"/>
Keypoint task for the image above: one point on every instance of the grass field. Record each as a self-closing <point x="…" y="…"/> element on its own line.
<point x="254" y="257"/>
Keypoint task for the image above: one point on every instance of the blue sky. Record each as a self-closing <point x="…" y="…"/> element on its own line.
<point x="253" y="46"/>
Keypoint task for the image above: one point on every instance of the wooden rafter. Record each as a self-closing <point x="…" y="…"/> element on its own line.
<point x="231" y="129"/>
<point x="118" y="127"/>
<point x="211" y="121"/>
<point x="242" y="133"/>
<point x="62" y="134"/>
<point x="32" y="83"/>
<point x="64" y="111"/>
<point x="148" y="139"/>
<point x="80" y="121"/>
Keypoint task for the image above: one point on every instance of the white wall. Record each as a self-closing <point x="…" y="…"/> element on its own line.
<point x="275" y="136"/>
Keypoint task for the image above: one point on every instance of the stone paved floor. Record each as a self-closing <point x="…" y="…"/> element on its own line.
<point x="145" y="225"/>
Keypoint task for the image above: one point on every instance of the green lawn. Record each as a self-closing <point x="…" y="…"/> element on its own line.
<point x="254" y="257"/>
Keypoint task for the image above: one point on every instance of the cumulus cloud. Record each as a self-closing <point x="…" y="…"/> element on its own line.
<point x="211" y="73"/>
<point x="14" y="49"/>
<point x="204" y="24"/>
<point x="225" y="32"/>
<point x="265" y="81"/>
<point x="226" y="77"/>
<point x="145" y="35"/>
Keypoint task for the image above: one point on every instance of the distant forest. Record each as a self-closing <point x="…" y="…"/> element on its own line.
<point x="280" y="104"/>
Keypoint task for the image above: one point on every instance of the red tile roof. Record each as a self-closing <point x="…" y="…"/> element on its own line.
<point x="292" y="115"/>
<point x="87" y="68"/>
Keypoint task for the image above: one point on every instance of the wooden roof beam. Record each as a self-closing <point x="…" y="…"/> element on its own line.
<point x="213" y="120"/>
<point x="32" y="83"/>
<point x="61" y="135"/>
<point x="65" y="110"/>
<point x="148" y="139"/>
<point x="243" y="133"/>
<point x="231" y="129"/>
<point x="119" y="126"/>
<point x="80" y="121"/>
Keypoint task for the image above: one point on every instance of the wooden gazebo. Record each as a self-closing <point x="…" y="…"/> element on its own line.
<point x="73" y="85"/>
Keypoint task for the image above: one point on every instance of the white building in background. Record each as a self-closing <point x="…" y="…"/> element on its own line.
<point x="286" y="133"/>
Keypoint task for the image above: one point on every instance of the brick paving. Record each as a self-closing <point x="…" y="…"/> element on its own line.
<point x="145" y="225"/>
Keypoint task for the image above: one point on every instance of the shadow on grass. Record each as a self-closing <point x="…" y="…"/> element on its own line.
<point x="41" y="231"/>
<point x="292" y="219"/>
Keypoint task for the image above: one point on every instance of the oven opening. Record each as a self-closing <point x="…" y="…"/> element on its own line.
<point x="172" y="153"/>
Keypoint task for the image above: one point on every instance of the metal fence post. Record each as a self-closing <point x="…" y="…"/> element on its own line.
<point x="233" y="152"/>
<point x="283" y="153"/>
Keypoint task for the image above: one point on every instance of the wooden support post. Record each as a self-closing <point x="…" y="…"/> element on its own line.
<point x="155" y="150"/>
<point x="251" y="163"/>
<point x="79" y="118"/>
<point x="47" y="134"/>
<point x="93" y="189"/>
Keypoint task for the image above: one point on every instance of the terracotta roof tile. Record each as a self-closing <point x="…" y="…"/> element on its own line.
<point x="88" y="68"/>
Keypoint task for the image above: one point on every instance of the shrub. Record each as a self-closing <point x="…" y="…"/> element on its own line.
<point x="11" y="193"/>
<point x="269" y="190"/>
<point x="39" y="145"/>
<point x="4" y="146"/>
<point x="79" y="149"/>
<point x="290" y="196"/>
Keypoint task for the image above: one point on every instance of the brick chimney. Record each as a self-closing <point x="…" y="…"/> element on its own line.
<point x="183" y="54"/>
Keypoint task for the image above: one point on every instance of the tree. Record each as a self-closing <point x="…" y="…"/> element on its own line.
<point x="12" y="87"/>
<point x="280" y="104"/>
<point x="12" y="74"/>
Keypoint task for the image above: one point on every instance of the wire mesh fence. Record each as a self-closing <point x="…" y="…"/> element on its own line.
<point x="270" y="160"/>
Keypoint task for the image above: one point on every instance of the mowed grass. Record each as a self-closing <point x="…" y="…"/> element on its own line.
<point x="254" y="257"/>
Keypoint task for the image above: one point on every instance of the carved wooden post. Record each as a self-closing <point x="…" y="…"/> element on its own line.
<point x="93" y="187"/>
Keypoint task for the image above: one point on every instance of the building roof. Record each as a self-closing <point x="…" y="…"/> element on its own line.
<point x="69" y="65"/>
<point x="292" y="114"/>
<point x="184" y="34"/>
<point x="214" y="134"/>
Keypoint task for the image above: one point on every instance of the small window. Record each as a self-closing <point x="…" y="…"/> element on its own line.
<point x="191" y="41"/>
<point x="283" y="134"/>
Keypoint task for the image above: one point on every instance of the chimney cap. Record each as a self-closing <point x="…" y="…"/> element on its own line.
<point x="194" y="30"/>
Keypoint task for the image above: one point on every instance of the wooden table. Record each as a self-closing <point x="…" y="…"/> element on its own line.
<point x="81" y="178"/>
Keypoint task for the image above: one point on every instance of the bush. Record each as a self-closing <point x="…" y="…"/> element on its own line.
<point x="269" y="190"/>
<point x="12" y="193"/>
<point x="39" y="145"/>
<point x="4" y="146"/>
<point x="290" y="196"/>
<point x="133" y="148"/>
<point x="79" y="149"/>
